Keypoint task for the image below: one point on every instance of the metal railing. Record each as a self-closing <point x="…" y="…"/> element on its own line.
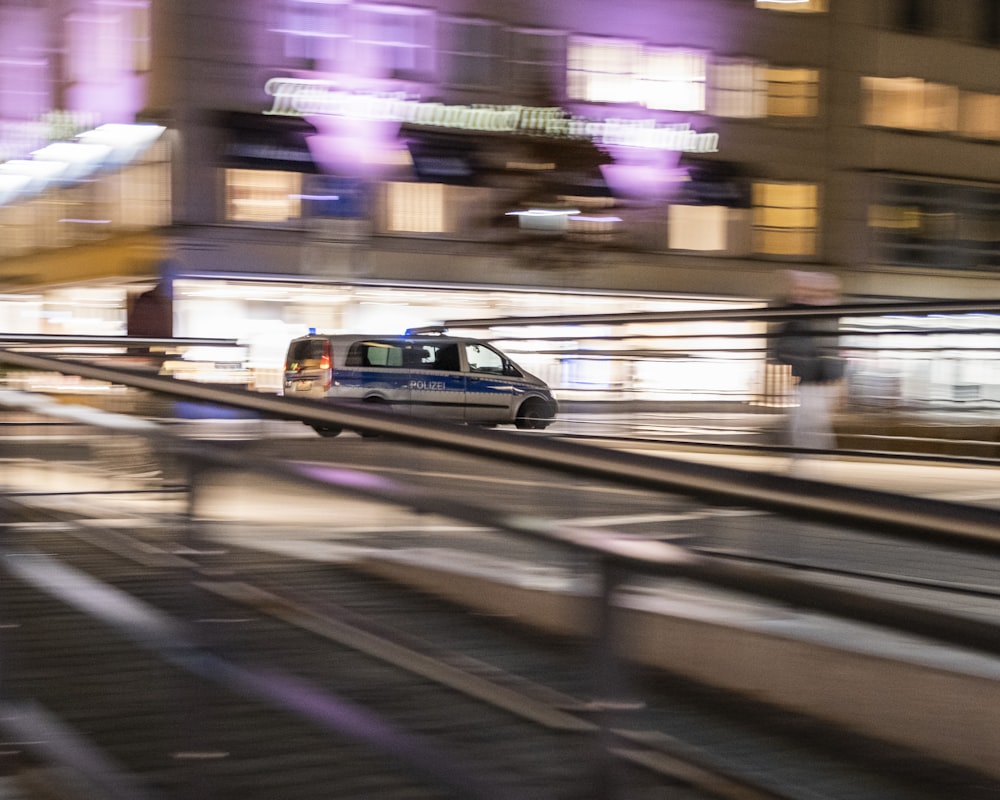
<point x="960" y="527"/>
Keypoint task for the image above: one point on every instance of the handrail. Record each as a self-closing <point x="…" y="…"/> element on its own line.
<point x="916" y="519"/>
<point x="907" y="518"/>
<point x="114" y="341"/>
<point x="761" y="312"/>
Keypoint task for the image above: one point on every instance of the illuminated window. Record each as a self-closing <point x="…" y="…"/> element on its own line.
<point x="935" y="224"/>
<point x="697" y="227"/>
<point x="980" y="115"/>
<point x="315" y="30"/>
<point x="603" y="70"/>
<point x="392" y="41"/>
<point x="785" y="218"/>
<point x="136" y="15"/>
<point x="262" y="195"/>
<point x="24" y="66"/>
<point x="737" y="88"/>
<point x="792" y="92"/>
<point x="144" y="198"/>
<point x="989" y="22"/>
<point x="535" y="61"/>
<point x="799" y="6"/>
<point x="468" y="52"/>
<point x="108" y="41"/>
<point x="910" y="104"/>
<point x="915" y="16"/>
<point x="415" y="207"/>
<point x="673" y="80"/>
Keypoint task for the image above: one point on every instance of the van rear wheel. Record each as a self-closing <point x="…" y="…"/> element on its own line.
<point x="533" y="415"/>
<point x="381" y="405"/>
<point x="326" y="430"/>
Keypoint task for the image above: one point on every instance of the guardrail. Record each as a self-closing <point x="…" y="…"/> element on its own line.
<point x="911" y="519"/>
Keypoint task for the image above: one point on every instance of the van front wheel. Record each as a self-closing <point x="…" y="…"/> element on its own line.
<point x="533" y="415"/>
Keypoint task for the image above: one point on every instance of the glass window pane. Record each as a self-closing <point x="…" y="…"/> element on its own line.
<point x="603" y="71"/>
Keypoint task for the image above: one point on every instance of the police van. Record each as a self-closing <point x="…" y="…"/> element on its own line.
<point x="422" y="374"/>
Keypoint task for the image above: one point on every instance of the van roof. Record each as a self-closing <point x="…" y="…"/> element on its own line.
<point x="392" y="337"/>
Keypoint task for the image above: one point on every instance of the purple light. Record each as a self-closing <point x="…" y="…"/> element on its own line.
<point x="644" y="174"/>
<point x="351" y="146"/>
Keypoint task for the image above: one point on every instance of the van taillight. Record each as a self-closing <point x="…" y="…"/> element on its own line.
<point x="324" y="364"/>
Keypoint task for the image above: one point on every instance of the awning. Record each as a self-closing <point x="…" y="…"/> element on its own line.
<point x="259" y="141"/>
<point x="444" y="158"/>
<point x="714" y="183"/>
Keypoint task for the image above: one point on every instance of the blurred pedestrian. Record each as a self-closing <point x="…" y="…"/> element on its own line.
<point x="810" y="346"/>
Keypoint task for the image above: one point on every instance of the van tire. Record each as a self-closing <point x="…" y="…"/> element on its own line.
<point x="373" y="402"/>
<point x="327" y="431"/>
<point x="533" y="415"/>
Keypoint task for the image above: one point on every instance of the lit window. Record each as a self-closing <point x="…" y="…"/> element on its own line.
<point x="392" y="42"/>
<point x="910" y="104"/>
<point x="24" y="67"/>
<point x="468" y="52"/>
<point x="697" y="227"/>
<point x="673" y="80"/>
<point x="262" y="195"/>
<point x="534" y="63"/>
<point x="793" y="6"/>
<point x="143" y="198"/>
<point x="101" y="44"/>
<point x="792" y="92"/>
<point x="415" y="207"/>
<point x="894" y="218"/>
<point x="603" y="70"/>
<point x="315" y="30"/>
<point x="737" y="89"/>
<point x="980" y="115"/>
<point x="785" y="218"/>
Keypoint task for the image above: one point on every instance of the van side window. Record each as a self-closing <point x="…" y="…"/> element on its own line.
<point x="484" y="359"/>
<point x="446" y="358"/>
<point x="374" y="354"/>
<point x="418" y="357"/>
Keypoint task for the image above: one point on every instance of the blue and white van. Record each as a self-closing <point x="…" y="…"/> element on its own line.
<point x="426" y="375"/>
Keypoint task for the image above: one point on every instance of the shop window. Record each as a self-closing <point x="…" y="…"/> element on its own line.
<point x="415" y="207"/>
<point x="392" y="42"/>
<point x="697" y="227"/>
<point x="536" y="58"/>
<point x="792" y="92"/>
<point x="262" y="195"/>
<point x="909" y="104"/>
<point x="980" y="115"/>
<point x="793" y="6"/>
<point x="145" y="190"/>
<point x="737" y="88"/>
<point x="468" y="53"/>
<point x="673" y="80"/>
<point x="315" y="31"/>
<point x="785" y="218"/>
<point x="603" y="70"/>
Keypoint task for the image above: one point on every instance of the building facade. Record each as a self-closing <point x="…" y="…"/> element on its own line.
<point x="683" y="148"/>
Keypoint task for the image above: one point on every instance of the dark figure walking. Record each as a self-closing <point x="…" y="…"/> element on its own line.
<point x="810" y="346"/>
